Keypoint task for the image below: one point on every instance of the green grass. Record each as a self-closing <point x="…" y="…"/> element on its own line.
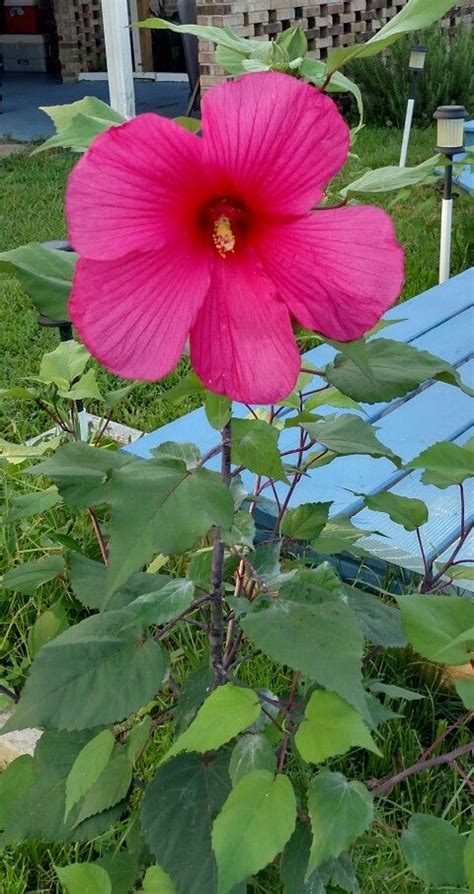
<point x="31" y="209"/>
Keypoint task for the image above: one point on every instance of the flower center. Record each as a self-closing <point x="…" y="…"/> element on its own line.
<point x="225" y="222"/>
<point x="223" y="236"/>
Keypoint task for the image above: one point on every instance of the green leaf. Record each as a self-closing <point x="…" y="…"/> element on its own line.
<point x="157" y="881"/>
<point x="445" y="463"/>
<point x="189" y="386"/>
<point x="406" y="511"/>
<point x="306" y="521"/>
<point x="65" y="364"/>
<point x="242" y="532"/>
<point x="414" y="16"/>
<point x="89" y="581"/>
<point x="331" y="726"/>
<point x="85" y="388"/>
<point x="78" y="134"/>
<point x="253" y="826"/>
<point x="32" y="797"/>
<point x="322" y="641"/>
<point x="255" y="446"/>
<point x="384" y="369"/>
<point x="122" y="868"/>
<point x="440" y="628"/>
<point x="396" y="691"/>
<point x="199" y="785"/>
<point x="315" y="71"/>
<point x="28" y="577"/>
<point x="97" y="672"/>
<point x="340" y="535"/>
<point x="433" y="850"/>
<point x="187" y="452"/>
<point x="110" y="788"/>
<point x="81" y="473"/>
<point x="347" y="434"/>
<point x="45" y="274"/>
<point x="81" y="877"/>
<point x="165" y="604"/>
<point x="293" y="41"/>
<point x="159" y="506"/>
<point x="15" y="454"/>
<point x="62" y="115"/>
<point x="340" y="811"/>
<point x="338" y="873"/>
<point x="138" y="737"/>
<point x="391" y="177"/>
<point x="465" y="690"/>
<point x="252" y="752"/>
<point x="195" y="689"/>
<point x="381" y="623"/>
<point x="17" y="392"/>
<point x="86" y="769"/>
<point x="32" y="504"/>
<point x="220" y="36"/>
<point x="225" y="713"/>
<point x="469" y="861"/>
<point x="331" y="397"/>
<point x="218" y="409"/>
<point x="47" y="626"/>
<point x="266" y="562"/>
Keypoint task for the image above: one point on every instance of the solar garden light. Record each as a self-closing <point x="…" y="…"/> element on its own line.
<point x="415" y="65"/>
<point x="450" y="140"/>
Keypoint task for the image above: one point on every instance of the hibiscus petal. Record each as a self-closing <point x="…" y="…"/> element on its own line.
<point x="242" y="344"/>
<point x="135" y="314"/>
<point x="337" y="270"/>
<point x="274" y="139"/>
<point x="130" y="189"/>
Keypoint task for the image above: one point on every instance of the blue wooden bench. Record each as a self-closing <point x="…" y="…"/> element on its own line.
<point x="440" y="320"/>
<point x="465" y="176"/>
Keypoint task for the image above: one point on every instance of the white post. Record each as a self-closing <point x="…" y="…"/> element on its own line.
<point x="119" y="56"/>
<point x="445" y="241"/>
<point x="137" y="49"/>
<point x="406" y="132"/>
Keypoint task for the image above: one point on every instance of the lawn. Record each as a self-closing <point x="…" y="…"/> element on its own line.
<point x="31" y="209"/>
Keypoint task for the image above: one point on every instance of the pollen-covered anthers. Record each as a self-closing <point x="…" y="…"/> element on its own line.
<point x="223" y="236"/>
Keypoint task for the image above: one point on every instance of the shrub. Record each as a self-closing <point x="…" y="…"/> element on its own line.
<point x="448" y="77"/>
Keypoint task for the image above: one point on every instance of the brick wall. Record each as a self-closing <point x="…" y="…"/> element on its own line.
<point x="80" y="37"/>
<point x="335" y="23"/>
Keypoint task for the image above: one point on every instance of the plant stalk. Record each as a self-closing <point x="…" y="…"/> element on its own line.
<point x="216" y="629"/>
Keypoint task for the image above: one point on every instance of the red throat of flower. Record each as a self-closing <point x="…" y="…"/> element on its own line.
<point x="226" y="223"/>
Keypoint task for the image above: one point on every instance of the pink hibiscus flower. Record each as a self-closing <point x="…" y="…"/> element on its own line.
<point x="214" y="238"/>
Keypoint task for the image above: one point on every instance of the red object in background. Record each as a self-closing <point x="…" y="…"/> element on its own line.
<point x="22" y="17"/>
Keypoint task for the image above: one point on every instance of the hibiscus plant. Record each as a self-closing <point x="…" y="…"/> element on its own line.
<point x="207" y="663"/>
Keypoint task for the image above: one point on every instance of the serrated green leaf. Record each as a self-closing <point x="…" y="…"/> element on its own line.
<point x="157" y="881"/>
<point x="45" y="274"/>
<point x="445" y="463"/>
<point x="293" y="41"/>
<point x="15" y="454"/>
<point x="255" y="446"/>
<point x="200" y="785"/>
<point x="465" y="690"/>
<point x="81" y="877"/>
<point x="85" y="389"/>
<point x="380" y="623"/>
<point x="253" y="826"/>
<point x="440" y="628"/>
<point x="81" y="473"/>
<point x="187" y="452"/>
<point x="78" y="134"/>
<point x="26" y="578"/>
<point x="252" y="752"/>
<point x="218" y="409"/>
<point x="225" y="713"/>
<point x="306" y="521"/>
<point x="28" y="505"/>
<point x="406" y="511"/>
<point x="32" y="794"/>
<point x="220" y="36"/>
<point x="347" y="434"/>
<point x="165" y="604"/>
<point x="433" y="849"/>
<point x="159" y="506"/>
<point x="322" y="641"/>
<point x="339" y="535"/>
<point x="47" y="626"/>
<point x="340" y="811"/>
<point x="89" y="582"/>
<point x="331" y="726"/>
<point x="331" y="397"/>
<point x="86" y="769"/>
<point x="242" y="532"/>
<point x="111" y="787"/>
<point x="94" y="673"/>
<point x="138" y="738"/>
<point x="195" y="689"/>
<point x="385" y="369"/>
<point x="89" y="105"/>
<point x="122" y="868"/>
<point x="66" y="363"/>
